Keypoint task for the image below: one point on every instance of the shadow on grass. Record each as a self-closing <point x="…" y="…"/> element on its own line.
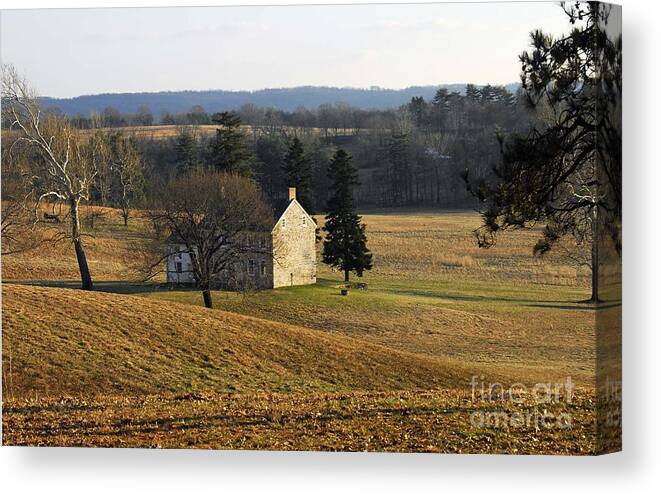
<point x="579" y="305"/>
<point x="478" y="298"/>
<point x="565" y="304"/>
<point x="128" y="287"/>
<point x="117" y="287"/>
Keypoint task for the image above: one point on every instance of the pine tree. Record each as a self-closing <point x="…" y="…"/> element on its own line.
<point x="228" y="151"/>
<point x="345" y="246"/>
<point x="298" y="174"/>
<point x="399" y="156"/>
<point x="440" y="108"/>
<point x="419" y="110"/>
<point x="565" y="173"/>
<point x="187" y="153"/>
<point x="473" y="93"/>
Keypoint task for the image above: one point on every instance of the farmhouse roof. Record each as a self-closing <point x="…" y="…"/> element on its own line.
<point x="279" y="210"/>
<point x="282" y="207"/>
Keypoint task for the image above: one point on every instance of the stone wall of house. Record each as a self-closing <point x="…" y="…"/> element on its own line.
<point x="255" y="269"/>
<point x="294" y="249"/>
<point x="286" y="256"/>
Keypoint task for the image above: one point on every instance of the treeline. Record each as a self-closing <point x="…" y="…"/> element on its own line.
<point x="414" y="155"/>
<point x="333" y="119"/>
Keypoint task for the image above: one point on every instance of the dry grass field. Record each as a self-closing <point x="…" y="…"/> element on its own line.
<point x="166" y="131"/>
<point x="396" y="421"/>
<point x="420" y="299"/>
<point x="386" y="368"/>
<point x="67" y="342"/>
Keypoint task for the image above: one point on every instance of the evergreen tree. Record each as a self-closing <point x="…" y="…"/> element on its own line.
<point x="489" y="94"/>
<point x="187" y="153"/>
<point x="473" y="93"/>
<point x="440" y="108"/>
<point x="269" y="151"/>
<point x="418" y="108"/>
<point x="228" y="151"/>
<point x="399" y="156"/>
<point x="565" y="173"/>
<point x="298" y="174"/>
<point x="345" y="246"/>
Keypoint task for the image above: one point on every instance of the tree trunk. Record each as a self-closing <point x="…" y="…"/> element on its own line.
<point x="125" y="215"/>
<point x="85" y="276"/>
<point x="208" y="303"/>
<point x="346" y="276"/>
<point x="595" y="260"/>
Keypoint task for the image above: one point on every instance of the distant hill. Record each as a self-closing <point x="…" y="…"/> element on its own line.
<point x="218" y="100"/>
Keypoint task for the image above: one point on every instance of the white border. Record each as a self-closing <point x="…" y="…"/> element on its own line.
<point x="49" y="470"/>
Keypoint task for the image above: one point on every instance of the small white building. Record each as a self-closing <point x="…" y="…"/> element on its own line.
<point x="284" y="256"/>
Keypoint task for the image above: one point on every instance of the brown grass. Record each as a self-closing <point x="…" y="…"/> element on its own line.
<point x="64" y="341"/>
<point x="432" y="246"/>
<point x="432" y="292"/>
<point x="109" y="248"/>
<point x="420" y="421"/>
<point x="385" y="368"/>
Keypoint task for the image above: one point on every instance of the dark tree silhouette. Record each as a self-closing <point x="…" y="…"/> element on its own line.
<point x="566" y="172"/>
<point x="187" y="151"/>
<point x="298" y="174"/>
<point x="345" y="246"/>
<point x="399" y="158"/>
<point x="228" y="151"/>
<point x="269" y="151"/>
<point x="418" y="109"/>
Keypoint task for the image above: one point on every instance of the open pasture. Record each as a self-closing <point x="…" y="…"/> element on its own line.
<point x="437" y="311"/>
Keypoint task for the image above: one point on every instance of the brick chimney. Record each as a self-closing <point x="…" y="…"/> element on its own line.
<point x="292" y="193"/>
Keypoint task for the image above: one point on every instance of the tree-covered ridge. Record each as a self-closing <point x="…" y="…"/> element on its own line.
<point x="285" y="99"/>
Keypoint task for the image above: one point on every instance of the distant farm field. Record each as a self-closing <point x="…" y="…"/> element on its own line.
<point x="436" y="312"/>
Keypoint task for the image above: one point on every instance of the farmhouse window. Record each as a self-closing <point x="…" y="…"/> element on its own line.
<point x="178" y="266"/>
<point x="251" y="267"/>
<point x="284" y="223"/>
<point x="305" y="220"/>
<point x="262" y="268"/>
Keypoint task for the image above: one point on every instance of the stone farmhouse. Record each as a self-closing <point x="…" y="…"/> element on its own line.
<point x="284" y="256"/>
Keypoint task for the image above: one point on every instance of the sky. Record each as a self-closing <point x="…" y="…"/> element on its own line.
<point x="71" y="52"/>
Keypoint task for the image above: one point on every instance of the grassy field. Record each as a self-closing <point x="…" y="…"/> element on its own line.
<point x="151" y="367"/>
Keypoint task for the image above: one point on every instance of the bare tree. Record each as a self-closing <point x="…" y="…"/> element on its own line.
<point x="100" y="154"/>
<point x="62" y="167"/>
<point x="127" y="172"/>
<point x="16" y="225"/>
<point x="212" y="216"/>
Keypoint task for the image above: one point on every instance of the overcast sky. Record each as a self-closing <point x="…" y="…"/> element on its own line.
<point x="73" y="52"/>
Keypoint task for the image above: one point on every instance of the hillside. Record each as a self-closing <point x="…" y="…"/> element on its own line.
<point x="432" y="293"/>
<point x="287" y="99"/>
<point x="385" y="369"/>
<point x="63" y="341"/>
